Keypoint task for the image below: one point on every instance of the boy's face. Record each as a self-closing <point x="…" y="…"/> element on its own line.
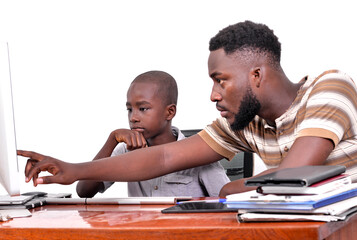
<point x="146" y="112"/>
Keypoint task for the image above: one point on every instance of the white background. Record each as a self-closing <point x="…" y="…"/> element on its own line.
<point x="72" y="61"/>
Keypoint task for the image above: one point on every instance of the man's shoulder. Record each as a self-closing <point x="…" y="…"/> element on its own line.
<point x="334" y="75"/>
<point x="331" y="81"/>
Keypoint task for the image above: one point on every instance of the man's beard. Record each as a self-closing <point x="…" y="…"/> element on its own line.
<point x="248" y="109"/>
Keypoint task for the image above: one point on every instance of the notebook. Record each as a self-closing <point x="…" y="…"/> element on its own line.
<point x="296" y="177"/>
<point x="14" y="200"/>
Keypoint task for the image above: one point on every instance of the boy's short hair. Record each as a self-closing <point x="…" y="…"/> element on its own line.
<point x="167" y="86"/>
<point x="248" y="36"/>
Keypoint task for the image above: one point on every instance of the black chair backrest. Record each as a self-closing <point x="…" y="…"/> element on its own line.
<point x="241" y="166"/>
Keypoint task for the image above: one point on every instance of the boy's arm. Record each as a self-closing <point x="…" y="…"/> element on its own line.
<point x="89" y="188"/>
<point x="138" y="165"/>
<point x="304" y="151"/>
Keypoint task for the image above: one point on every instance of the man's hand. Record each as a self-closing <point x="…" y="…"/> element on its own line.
<point x="236" y="186"/>
<point x="133" y="139"/>
<point x="62" y="172"/>
<point x="316" y="150"/>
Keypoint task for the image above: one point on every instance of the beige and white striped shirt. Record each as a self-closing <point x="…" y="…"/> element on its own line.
<point x="325" y="106"/>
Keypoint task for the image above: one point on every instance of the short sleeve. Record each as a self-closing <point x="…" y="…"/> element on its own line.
<point x="330" y="108"/>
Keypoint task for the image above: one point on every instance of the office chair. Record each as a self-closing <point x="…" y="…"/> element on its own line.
<point x="241" y="166"/>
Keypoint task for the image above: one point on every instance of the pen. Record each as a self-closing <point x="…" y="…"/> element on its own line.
<point x="220" y="200"/>
<point x="113" y="201"/>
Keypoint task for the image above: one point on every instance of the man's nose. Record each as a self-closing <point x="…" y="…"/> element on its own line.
<point x="215" y="96"/>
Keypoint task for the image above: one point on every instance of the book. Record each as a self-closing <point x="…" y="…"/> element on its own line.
<point x="316" y="188"/>
<point x="334" y="212"/>
<point x="291" y="202"/>
<point x="283" y="217"/>
<point x="296" y="177"/>
<point x="336" y="208"/>
<point x="254" y="196"/>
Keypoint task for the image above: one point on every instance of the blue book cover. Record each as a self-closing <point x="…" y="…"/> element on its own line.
<point x="291" y="205"/>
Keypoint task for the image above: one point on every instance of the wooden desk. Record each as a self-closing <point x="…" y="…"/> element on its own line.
<point x="147" y="222"/>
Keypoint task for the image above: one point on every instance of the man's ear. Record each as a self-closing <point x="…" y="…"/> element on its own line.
<point x="170" y="111"/>
<point x="256" y="75"/>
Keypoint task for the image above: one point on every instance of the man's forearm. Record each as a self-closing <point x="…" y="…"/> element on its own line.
<point x="147" y="163"/>
<point x="89" y="188"/>
<point x="125" y="167"/>
<point x="138" y="165"/>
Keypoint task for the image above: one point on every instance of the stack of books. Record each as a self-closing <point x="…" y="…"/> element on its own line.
<point x="309" y="193"/>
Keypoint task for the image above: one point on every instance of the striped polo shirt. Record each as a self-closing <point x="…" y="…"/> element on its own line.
<point x="325" y="106"/>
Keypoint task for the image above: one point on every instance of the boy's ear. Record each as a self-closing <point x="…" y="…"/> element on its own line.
<point x="170" y="111"/>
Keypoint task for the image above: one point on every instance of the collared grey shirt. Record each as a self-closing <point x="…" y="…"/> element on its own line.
<point x="203" y="181"/>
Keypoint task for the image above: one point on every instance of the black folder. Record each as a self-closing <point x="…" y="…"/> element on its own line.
<point x="297" y="177"/>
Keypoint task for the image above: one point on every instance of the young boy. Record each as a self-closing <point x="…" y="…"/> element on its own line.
<point x="151" y="104"/>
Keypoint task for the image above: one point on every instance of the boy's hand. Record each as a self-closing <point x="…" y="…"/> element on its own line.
<point x="63" y="173"/>
<point x="133" y="139"/>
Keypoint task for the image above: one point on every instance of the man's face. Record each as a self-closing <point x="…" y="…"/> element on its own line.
<point x="231" y="89"/>
<point x="146" y="112"/>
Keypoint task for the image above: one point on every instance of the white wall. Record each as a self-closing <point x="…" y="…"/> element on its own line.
<point x="72" y="60"/>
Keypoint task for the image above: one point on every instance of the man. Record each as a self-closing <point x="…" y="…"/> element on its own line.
<point x="312" y="122"/>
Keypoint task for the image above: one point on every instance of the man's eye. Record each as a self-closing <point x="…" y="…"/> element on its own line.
<point x="143" y="109"/>
<point x="128" y="109"/>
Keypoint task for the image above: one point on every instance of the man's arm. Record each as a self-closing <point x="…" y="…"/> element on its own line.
<point x="138" y="165"/>
<point x="89" y="188"/>
<point x="304" y="151"/>
<point x="133" y="139"/>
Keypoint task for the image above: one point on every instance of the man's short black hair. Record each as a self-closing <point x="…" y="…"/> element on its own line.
<point x="167" y="86"/>
<point x="249" y="36"/>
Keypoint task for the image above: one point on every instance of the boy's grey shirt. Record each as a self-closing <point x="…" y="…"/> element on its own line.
<point x="202" y="181"/>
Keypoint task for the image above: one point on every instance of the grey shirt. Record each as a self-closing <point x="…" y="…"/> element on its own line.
<point x="203" y="181"/>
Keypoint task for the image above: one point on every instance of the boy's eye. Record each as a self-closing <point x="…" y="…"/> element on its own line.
<point x="143" y="109"/>
<point x="128" y="109"/>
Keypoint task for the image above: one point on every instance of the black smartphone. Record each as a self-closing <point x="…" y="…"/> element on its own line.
<point x="199" y="207"/>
